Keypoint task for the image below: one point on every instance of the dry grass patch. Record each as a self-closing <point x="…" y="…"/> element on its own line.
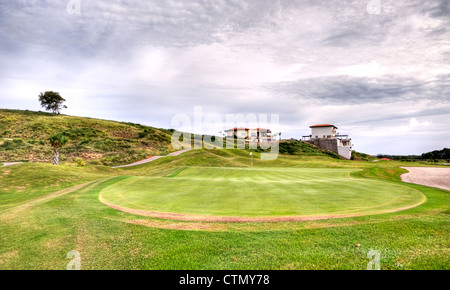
<point x="187" y="226"/>
<point x="8" y="256"/>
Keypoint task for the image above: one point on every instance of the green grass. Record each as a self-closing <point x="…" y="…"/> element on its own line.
<point x="47" y="211"/>
<point x="39" y="227"/>
<point x="267" y="192"/>
<point x="97" y="141"/>
<point x="28" y="181"/>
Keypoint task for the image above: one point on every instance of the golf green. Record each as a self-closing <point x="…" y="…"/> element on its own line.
<point x="260" y="192"/>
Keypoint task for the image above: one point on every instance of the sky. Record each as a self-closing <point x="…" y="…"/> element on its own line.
<point x="379" y="70"/>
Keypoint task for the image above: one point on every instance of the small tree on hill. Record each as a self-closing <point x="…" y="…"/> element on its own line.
<point x="57" y="141"/>
<point x="52" y="101"/>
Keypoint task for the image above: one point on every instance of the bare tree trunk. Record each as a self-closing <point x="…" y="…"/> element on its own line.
<point x="56" y="157"/>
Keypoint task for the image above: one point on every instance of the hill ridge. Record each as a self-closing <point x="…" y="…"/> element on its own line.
<point x="24" y="134"/>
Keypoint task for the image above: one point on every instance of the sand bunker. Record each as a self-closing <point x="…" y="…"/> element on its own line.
<point x="429" y="176"/>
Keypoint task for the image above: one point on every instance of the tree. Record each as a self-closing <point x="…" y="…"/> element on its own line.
<point x="57" y="141"/>
<point x="52" y="101"/>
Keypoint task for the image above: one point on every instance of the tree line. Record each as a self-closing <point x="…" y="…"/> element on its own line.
<point x="435" y="155"/>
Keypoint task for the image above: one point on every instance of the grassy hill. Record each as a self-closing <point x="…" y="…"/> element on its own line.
<point x="46" y="210"/>
<point x="24" y="137"/>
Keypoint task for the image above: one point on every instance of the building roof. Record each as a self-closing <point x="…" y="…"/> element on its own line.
<point x="241" y="128"/>
<point x="259" y="129"/>
<point x="323" y="125"/>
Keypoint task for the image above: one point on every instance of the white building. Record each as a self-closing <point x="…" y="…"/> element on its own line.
<point x="323" y="131"/>
<point x="325" y="136"/>
<point x="251" y="135"/>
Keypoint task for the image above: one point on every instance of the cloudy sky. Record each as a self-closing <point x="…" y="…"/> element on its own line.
<point x="377" y="69"/>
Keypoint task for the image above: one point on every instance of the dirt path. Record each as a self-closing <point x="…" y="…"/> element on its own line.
<point x="10" y="212"/>
<point x="430" y="176"/>
<point x="11" y="163"/>
<point x="152" y="159"/>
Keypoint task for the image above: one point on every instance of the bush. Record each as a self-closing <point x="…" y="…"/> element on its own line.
<point x="8" y="144"/>
<point x="12" y="144"/>
<point x="143" y="133"/>
<point x="85" y="141"/>
<point x="80" y="162"/>
<point x="18" y="142"/>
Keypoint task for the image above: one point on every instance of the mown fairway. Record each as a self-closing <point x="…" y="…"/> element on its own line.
<point x="47" y="211"/>
<point x="261" y="192"/>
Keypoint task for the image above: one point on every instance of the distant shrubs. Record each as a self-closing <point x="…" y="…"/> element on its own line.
<point x="361" y="156"/>
<point x="85" y="141"/>
<point x="36" y="142"/>
<point x="300" y="148"/>
<point x="144" y="133"/>
<point x="437" y="154"/>
<point x="125" y="157"/>
<point x="111" y="145"/>
<point x="155" y="135"/>
<point x="83" y="133"/>
<point x="12" y="144"/>
<point x="40" y="127"/>
<point x="8" y="145"/>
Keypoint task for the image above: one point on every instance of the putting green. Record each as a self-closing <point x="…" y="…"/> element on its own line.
<point x="260" y="192"/>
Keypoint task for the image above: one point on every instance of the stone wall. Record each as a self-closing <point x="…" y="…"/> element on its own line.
<point x="327" y="144"/>
<point x="333" y="146"/>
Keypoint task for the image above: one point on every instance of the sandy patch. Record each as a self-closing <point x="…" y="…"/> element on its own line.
<point x="429" y="176"/>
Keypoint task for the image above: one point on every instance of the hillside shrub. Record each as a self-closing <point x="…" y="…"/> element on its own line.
<point x="111" y="145"/>
<point x="83" y="133"/>
<point x="18" y="142"/>
<point x="13" y="144"/>
<point x="80" y="162"/>
<point x="85" y="141"/>
<point x="8" y="145"/>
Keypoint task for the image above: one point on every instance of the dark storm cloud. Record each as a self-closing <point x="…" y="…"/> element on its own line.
<point x="346" y="90"/>
<point x="440" y="8"/>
